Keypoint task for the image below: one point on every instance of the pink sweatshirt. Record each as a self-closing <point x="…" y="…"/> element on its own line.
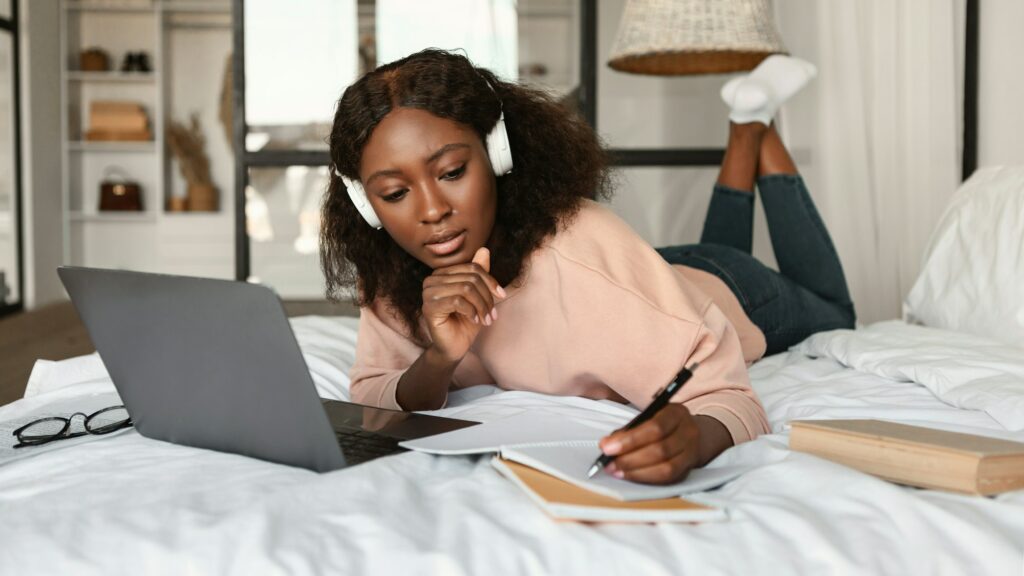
<point x="599" y="314"/>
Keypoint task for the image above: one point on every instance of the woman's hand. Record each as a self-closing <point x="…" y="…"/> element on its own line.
<point x="665" y="448"/>
<point x="457" y="302"/>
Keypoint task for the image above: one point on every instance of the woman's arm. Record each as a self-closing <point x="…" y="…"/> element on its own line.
<point x="457" y="302"/>
<point x="713" y="440"/>
<point x="424" y="386"/>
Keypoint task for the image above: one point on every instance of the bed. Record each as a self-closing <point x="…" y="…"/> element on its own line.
<point x="125" y="503"/>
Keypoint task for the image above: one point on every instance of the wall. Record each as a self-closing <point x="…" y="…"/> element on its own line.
<point x="1000" y="83"/>
<point x="41" y="158"/>
<point x="664" y="205"/>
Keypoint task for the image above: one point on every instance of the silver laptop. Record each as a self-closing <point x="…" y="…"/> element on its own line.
<point x="214" y="364"/>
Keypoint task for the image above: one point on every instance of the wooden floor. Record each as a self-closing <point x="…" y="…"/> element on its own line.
<point x="55" y="332"/>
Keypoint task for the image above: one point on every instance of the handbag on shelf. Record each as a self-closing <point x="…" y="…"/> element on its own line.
<point x="118" y="193"/>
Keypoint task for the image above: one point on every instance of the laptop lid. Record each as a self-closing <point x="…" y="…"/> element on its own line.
<point x="206" y="363"/>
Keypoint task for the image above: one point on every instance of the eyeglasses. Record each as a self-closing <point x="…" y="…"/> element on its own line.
<point x="46" y="430"/>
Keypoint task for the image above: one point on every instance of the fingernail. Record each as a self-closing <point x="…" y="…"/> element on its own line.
<point x="611" y="468"/>
<point x="494" y="312"/>
<point x="501" y="292"/>
<point x="476" y="319"/>
<point x="612" y="448"/>
<point x="487" y="319"/>
<point x="619" y="474"/>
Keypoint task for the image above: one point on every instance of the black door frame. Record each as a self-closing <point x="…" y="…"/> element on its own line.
<point x="632" y="157"/>
<point x="10" y="25"/>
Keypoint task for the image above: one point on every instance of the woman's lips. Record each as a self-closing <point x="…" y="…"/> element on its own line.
<point x="448" y="246"/>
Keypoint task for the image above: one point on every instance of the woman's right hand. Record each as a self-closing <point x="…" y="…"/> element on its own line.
<point x="457" y="302"/>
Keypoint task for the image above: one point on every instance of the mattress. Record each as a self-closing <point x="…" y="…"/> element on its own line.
<point x="126" y="503"/>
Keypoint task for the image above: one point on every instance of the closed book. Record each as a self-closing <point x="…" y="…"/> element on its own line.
<point x="114" y="107"/>
<point x="122" y="122"/>
<point x="566" y="501"/>
<point x="915" y="455"/>
<point x="118" y="136"/>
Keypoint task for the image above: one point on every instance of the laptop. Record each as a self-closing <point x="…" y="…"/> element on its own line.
<point x="214" y="364"/>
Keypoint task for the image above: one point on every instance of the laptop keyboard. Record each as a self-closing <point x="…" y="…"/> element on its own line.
<point x="360" y="446"/>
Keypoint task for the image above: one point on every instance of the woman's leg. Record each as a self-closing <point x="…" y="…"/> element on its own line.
<point x="730" y="217"/>
<point x="802" y="246"/>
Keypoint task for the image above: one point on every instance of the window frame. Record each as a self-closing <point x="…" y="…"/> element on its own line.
<point x="10" y="25"/>
<point x="590" y="60"/>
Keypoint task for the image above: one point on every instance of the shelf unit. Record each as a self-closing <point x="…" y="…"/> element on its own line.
<point x="187" y="43"/>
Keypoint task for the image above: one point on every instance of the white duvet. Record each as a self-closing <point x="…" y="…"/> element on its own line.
<point x="127" y="504"/>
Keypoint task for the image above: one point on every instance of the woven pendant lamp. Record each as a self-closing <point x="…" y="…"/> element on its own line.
<point x="674" y="37"/>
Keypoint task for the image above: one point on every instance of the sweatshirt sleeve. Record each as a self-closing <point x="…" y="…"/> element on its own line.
<point x="383" y="354"/>
<point x="720" y="387"/>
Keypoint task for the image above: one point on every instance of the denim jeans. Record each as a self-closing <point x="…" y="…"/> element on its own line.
<point x="808" y="294"/>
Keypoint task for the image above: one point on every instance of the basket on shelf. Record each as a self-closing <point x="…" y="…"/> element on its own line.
<point x="93" y="60"/>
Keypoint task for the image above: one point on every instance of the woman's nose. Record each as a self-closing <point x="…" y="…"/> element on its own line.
<point x="434" y="206"/>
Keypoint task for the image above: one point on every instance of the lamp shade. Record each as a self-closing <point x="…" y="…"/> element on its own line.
<point x="674" y="37"/>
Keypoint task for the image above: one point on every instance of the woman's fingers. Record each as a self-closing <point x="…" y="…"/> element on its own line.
<point x="657" y="451"/>
<point x="660" y="450"/>
<point x="440" y="298"/>
<point x="659" y="426"/>
<point x="461" y="306"/>
<point x="467" y="283"/>
<point x="475" y="269"/>
<point x="664" y="472"/>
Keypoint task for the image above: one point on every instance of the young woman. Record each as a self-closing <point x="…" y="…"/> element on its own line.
<point x="469" y="273"/>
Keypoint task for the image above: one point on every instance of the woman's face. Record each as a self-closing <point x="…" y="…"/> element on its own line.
<point x="430" y="181"/>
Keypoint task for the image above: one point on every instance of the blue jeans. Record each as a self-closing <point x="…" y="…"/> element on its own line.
<point x="808" y="294"/>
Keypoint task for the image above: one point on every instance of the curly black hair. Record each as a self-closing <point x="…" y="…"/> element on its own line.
<point x="558" y="161"/>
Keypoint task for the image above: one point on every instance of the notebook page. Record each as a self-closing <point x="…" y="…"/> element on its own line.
<point x="523" y="429"/>
<point x="570" y="461"/>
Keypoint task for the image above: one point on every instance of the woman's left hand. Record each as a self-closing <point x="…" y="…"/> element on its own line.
<point x="662" y="450"/>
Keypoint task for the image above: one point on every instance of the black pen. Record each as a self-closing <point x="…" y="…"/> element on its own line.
<point x="661" y="398"/>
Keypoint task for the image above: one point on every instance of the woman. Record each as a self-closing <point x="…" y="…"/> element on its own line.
<point x="469" y="273"/>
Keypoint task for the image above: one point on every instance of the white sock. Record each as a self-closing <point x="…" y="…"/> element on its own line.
<point x="757" y="96"/>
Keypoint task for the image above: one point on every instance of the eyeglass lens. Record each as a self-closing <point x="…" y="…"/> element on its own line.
<point x="101" y="422"/>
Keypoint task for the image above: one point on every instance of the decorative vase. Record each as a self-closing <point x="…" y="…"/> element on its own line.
<point x="202" y="198"/>
<point x="177" y="204"/>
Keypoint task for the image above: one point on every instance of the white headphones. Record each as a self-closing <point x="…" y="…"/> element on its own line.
<point x="498" y="150"/>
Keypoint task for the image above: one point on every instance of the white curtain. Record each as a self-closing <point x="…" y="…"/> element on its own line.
<point x="878" y="134"/>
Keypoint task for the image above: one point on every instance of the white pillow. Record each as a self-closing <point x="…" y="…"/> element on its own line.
<point x="973" y="274"/>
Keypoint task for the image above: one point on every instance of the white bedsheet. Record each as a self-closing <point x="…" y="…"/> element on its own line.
<point x="130" y="504"/>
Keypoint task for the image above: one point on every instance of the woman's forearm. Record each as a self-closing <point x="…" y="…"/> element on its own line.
<point x="714" y="439"/>
<point x="424" y="386"/>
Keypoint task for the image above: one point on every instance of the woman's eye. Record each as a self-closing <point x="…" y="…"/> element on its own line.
<point x="395" y="196"/>
<point x="454" y="174"/>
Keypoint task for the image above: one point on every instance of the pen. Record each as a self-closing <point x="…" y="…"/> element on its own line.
<point x="661" y="398"/>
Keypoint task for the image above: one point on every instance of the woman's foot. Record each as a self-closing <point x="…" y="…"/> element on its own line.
<point x="757" y="96"/>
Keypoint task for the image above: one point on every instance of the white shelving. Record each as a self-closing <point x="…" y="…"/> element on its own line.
<point x="112" y="76"/>
<point x="187" y="43"/>
<point x="87" y="146"/>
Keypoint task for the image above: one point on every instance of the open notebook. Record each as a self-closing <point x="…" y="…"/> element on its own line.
<point x="566" y="501"/>
<point x="570" y="461"/>
<point x="564" y="449"/>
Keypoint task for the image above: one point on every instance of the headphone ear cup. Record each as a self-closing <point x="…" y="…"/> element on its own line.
<point x="498" y="148"/>
<point x="358" y="195"/>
